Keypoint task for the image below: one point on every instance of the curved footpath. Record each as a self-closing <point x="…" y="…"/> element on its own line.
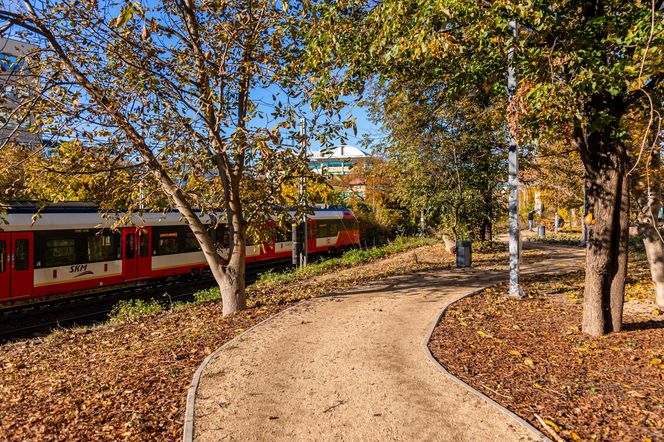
<point x="352" y="366"/>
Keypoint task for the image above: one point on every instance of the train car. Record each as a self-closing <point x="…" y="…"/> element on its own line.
<point x="69" y="249"/>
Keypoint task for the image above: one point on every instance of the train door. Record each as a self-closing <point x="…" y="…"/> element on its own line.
<point x="4" y="265"/>
<point x="136" y="256"/>
<point x="129" y="260"/>
<point x="144" y="264"/>
<point x="312" y="234"/>
<point x="20" y="264"/>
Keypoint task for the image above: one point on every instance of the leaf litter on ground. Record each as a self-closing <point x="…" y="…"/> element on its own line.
<point x="539" y="364"/>
<point x="128" y="379"/>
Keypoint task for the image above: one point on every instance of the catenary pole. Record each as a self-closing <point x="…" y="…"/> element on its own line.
<point x="305" y="234"/>
<point x="513" y="181"/>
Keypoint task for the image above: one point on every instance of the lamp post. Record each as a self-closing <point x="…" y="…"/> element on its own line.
<point x="304" y="254"/>
<point x="513" y="182"/>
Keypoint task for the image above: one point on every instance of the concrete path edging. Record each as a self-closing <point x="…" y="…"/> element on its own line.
<point x="425" y="344"/>
<point x="190" y="408"/>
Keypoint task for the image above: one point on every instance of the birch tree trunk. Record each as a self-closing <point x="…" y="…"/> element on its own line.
<point x="648" y="204"/>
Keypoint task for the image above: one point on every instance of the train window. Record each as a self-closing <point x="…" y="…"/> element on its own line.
<point x="167" y="243"/>
<point x="333" y="228"/>
<point x="130" y="246"/>
<point x="221" y="235"/>
<point x="323" y="229"/>
<point x="190" y="243"/>
<point x="283" y="236"/>
<point x="3" y="255"/>
<point x="143" y="246"/>
<point x="348" y="224"/>
<point x="101" y="247"/>
<point x="59" y="252"/>
<point x="22" y="254"/>
<point x="171" y="240"/>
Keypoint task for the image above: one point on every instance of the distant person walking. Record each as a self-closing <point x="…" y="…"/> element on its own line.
<point x="531" y="218"/>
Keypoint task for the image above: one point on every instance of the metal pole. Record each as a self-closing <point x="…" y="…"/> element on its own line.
<point x="295" y="244"/>
<point x="513" y="181"/>
<point x="303" y="141"/>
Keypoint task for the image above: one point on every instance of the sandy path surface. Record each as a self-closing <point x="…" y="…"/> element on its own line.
<point x="351" y="366"/>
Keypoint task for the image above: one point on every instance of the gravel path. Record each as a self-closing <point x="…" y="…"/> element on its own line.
<point x="352" y="366"/>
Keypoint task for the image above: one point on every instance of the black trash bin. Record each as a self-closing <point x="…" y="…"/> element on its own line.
<point x="464" y="253"/>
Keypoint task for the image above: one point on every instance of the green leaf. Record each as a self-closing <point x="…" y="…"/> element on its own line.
<point x="126" y="15"/>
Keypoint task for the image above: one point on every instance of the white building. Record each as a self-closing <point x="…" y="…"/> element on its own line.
<point x="16" y="87"/>
<point x="336" y="161"/>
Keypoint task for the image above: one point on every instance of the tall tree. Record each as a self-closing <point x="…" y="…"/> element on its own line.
<point x="448" y="155"/>
<point x="582" y="65"/>
<point x="596" y="62"/>
<point x="172" y="85"/>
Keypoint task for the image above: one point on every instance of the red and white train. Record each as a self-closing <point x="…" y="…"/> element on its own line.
<point x="70" y="250"/>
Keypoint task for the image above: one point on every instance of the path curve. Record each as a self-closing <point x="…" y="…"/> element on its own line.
<point x="351" y="366"/>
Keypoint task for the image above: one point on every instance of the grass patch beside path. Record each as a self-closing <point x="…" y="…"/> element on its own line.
<point x="348" y="259"/>
<point x="272" y="280"/>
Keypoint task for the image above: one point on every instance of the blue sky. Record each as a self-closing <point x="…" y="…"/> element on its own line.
<point x="366" y="129"/>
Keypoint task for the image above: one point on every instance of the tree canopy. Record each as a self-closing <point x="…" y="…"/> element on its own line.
<point x="582" y="67"/>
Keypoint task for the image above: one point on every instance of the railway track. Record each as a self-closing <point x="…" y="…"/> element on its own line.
<point x="89" y="310"/>
<point x="39" y="319"/>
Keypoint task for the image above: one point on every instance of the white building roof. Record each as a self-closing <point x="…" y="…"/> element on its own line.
<point x="343" y="151"/>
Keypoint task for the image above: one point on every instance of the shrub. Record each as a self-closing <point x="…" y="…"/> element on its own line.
<point x="133" y="309"/>
<point x="207" y="295"/>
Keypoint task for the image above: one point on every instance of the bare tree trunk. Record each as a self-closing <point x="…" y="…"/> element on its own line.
<point x="648" y="204"/>
<point x="655" y="253"/>
<point x="486" y="231"/>
<point x="606" y="253"/>
<point x="483" y="229"/>
<point x="450" y="245"/>
<point x="233" y="285"/>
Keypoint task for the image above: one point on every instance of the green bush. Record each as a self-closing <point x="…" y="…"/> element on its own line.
<point x="207" y="295"/>
<point x="133" y="309"/>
